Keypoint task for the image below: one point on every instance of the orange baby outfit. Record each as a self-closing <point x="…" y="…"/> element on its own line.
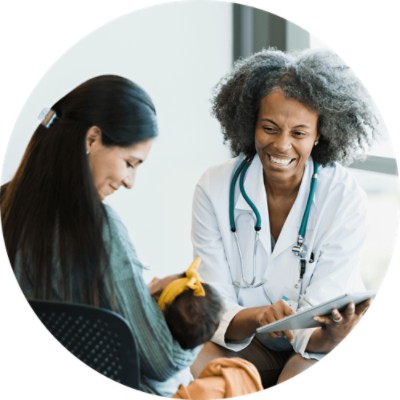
<point x="222" y="378"/>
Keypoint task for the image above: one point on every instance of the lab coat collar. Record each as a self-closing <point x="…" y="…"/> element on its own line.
<point x="254" y="185"/>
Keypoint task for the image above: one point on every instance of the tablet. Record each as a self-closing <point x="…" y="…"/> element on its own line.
<point x="305" y="318"/>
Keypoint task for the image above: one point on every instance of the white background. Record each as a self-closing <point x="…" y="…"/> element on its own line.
<point x="36" y="34"/>
<point x="167" y="51"/>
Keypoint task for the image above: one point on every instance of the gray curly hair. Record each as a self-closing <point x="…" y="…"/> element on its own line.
<point x="347" y="119"/>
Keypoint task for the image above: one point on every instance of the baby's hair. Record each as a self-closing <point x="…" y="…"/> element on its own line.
<point x="192" y="319"/>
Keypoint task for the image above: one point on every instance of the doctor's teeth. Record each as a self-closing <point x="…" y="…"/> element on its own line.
<point x="280" y="161"/>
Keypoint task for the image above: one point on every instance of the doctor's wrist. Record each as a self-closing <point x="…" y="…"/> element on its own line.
<point x="322" y="341"/>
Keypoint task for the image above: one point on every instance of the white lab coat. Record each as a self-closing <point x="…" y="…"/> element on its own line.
<point x="336" y="231"/>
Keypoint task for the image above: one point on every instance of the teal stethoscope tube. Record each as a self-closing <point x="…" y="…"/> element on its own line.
<point x="240" y="174"/>
<point x="300" y="249"/>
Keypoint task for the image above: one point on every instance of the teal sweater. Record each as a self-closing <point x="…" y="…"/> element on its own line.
<point x="161" y="357"/>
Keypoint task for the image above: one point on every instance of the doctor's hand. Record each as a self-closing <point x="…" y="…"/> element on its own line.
<point x="245" y="323"/>
<point x="336" y="326"/>
<point x="275" y="312"/>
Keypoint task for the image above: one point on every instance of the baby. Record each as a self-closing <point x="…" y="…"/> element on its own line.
<point x="192" y="309"/>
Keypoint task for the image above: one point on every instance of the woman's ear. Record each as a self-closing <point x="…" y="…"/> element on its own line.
<point x="93" y="137"/>
<point x="317" y="140"/>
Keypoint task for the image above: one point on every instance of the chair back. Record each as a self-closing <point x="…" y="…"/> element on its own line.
<point x="100" y="338"/>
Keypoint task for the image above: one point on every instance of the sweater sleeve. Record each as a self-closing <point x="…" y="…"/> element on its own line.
<point x="160" y="355"/>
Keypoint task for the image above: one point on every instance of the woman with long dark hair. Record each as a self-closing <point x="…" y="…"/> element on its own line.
<point x="63" y="243"/>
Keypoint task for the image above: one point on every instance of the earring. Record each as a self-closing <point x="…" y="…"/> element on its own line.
<point x="87" y="151"/>
<point x="316" y="142"/>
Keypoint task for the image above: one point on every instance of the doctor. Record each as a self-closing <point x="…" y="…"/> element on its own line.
<point x="281" y="226"/>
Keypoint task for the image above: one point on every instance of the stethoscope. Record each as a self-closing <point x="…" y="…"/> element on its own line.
<point x="299" y="249"/>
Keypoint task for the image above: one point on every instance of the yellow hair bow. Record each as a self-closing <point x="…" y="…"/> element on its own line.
<point x="178" y="286"/>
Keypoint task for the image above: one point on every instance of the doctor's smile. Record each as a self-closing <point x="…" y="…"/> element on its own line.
<point x="285" y="134"/>
<point x="284" y="162"/>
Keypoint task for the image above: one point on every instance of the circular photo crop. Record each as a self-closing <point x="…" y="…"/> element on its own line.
<point x="199" y="200"/>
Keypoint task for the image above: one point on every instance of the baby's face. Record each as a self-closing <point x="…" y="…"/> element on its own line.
<point x="157" y="285"/>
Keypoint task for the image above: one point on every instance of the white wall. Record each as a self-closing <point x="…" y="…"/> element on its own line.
<point x="167" y="50"/>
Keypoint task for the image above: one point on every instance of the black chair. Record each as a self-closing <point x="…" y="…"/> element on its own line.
<point x="100" y="338"/>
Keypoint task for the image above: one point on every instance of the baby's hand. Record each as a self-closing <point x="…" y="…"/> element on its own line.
<point x="157" y="285"/>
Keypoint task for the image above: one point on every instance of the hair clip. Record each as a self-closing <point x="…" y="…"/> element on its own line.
<point x="47" y="117"/>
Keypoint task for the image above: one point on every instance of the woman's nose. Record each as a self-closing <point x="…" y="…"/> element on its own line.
<point x="283" y="142"/>
<point x="129" y="180"/>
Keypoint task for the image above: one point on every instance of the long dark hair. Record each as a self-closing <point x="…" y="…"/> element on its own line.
<point x="51" y="211"/>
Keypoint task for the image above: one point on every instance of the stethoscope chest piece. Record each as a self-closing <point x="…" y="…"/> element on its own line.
<point x="300" y="248"/>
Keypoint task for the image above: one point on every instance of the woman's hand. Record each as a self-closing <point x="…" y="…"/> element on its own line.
<point x="336" y="326"/>
<point x="246" y="321"/>
<point x="157" y="285"/>
<point x="275" y="312"/>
